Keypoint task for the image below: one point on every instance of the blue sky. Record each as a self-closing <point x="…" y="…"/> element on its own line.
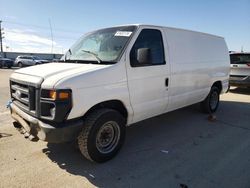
<point x="26" y="22"/>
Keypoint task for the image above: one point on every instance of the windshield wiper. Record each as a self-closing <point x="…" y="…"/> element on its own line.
<point x="94" y="54"/>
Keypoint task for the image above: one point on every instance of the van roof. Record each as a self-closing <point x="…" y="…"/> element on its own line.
<point x="149" y="25"/>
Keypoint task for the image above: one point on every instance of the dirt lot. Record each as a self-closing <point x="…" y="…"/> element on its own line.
<point x="172" y="150"/>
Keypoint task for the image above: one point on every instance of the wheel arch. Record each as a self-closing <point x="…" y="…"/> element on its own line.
<point x="112" y="104"/>
<point x="218" y="84"/>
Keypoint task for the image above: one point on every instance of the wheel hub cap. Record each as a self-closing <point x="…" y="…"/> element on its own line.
<point x="108" y="137"/>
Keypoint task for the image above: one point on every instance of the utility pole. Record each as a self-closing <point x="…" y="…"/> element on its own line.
<point x="52" y="40"/>
<point x="1" y="37"/>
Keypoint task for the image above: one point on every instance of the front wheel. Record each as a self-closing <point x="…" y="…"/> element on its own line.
<point x="211" y="103"/>
<point x="102" y="135"/>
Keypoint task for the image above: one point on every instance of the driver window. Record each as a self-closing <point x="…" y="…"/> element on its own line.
<point x="152" y="39"/>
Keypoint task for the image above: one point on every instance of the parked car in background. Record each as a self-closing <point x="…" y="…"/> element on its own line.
<point x="26" y="60"/>
<point x="240" y="69"/>
<point x="5" y="62"/>
<point x="55" y="60"/>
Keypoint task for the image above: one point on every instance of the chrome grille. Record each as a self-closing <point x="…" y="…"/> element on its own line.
<point x="24" y="96"/>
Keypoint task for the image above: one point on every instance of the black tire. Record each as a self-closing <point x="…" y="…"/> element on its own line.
<point x="93" y="132"/>
<point x="9" y="66"/>
<point x="211" y="103"/>
<point x="20" y="65"/>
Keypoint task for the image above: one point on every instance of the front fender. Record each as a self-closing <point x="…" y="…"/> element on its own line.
<point x="84" y="99"/>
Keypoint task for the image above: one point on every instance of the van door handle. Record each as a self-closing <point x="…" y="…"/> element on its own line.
<point x="166" y="82"/>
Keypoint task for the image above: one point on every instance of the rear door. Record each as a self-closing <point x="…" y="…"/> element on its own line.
<point x="148" y="83"/>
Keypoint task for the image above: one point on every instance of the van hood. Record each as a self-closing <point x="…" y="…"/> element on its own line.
<point x="51" y="73"/>
<point x="52" y="69"/>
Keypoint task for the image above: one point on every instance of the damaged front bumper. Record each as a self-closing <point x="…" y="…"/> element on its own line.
<point x="35" y="129"/>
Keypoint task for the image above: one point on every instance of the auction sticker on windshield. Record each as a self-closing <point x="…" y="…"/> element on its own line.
<point x="123" y="33"/>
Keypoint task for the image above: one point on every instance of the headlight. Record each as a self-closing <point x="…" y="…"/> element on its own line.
<point x="61" y="95"/>
<point x="55" y="104"/>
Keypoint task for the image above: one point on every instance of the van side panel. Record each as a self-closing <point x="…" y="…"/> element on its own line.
<point x="197" y="61"/>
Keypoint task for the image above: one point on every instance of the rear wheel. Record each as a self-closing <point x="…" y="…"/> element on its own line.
<point x="211" y="103"/>
<point x="102" y="136"/>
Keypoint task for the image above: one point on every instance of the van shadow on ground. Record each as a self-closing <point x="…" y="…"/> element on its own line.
<point x="238" y="90"/>
<point x="155" y="153"/>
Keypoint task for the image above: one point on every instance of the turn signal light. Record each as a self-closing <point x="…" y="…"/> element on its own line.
<point x="63" y="95"/>
<point x="58" y="95"/>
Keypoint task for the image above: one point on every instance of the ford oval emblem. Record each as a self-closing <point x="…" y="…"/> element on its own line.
<point x="18" y="94"/>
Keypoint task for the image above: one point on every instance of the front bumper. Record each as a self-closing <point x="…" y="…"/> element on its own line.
<point x="61" y="132"/>
<point x="239" y="81"/>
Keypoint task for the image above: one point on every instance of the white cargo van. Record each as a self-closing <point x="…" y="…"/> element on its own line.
<point x="114" y="77"/>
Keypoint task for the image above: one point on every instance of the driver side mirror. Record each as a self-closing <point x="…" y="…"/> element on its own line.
<point x="144" y="56"/>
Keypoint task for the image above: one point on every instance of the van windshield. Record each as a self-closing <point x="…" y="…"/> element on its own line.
<point x="101" y="46"/>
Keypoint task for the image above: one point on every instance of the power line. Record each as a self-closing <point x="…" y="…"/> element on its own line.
<point x="52" y="40"/>
<point x="41" y="27"/>
<point x="57" y="37"/>
<point x="66" y="37"/>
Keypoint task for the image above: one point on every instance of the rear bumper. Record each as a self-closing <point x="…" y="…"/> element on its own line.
<point x="239" y="81"/>
<point x="62" y="132"/>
